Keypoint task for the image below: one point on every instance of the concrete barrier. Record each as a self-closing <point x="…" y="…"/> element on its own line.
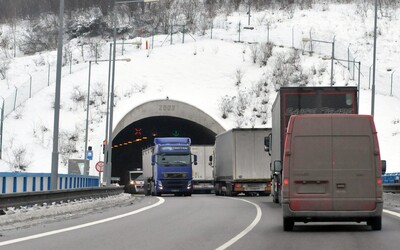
<point x="33" y="182"/>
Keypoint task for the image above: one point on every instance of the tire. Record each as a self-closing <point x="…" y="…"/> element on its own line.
<point x="375" y="223"/>
<point x="152" y="188"/>
<point x="217" y="190"/>
<point x="288" y="224"/>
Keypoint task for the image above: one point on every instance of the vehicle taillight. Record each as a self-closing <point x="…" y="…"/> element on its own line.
<point x="238" y="185"/>
<point x="379" y="181"/>
<point x="285" y="182"/>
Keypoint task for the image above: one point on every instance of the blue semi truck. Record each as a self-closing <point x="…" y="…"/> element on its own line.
<point x="167" y="166"/>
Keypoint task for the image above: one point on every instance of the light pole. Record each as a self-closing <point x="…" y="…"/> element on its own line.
<point x="88" y="103"/>
<point x="54" y="155"/>
<point x="109" y="142"/>
<point x="374" y="60"/>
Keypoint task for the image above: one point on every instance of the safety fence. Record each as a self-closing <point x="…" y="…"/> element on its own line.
<point x="32" y="182"/>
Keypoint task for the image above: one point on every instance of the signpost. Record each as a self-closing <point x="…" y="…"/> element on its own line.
<point x="100" y="166"/>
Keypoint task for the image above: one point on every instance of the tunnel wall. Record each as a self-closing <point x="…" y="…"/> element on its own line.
<point x="168" y="108"/>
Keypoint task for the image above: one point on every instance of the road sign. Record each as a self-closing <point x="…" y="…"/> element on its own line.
<point x="89" y="155"/>
<point x="99" y="166"/>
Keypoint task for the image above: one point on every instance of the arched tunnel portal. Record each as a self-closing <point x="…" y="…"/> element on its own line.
<point x="160" y="118"/>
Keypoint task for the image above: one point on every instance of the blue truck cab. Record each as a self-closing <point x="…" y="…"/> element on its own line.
<point x="167" y="166"/>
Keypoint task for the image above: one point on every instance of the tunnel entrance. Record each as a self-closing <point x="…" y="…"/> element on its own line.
<point x="163" y="118"/>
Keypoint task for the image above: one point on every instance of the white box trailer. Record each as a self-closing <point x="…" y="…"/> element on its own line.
<point x="146" y="163"/>
<point x="203" y="180"/>
<point x="240" y="163"/>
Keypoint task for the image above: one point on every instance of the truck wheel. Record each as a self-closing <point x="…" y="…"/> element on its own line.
<point x="288" y="224"/>
<point x="153" y="191"/>
<point x="217" y="190"/>
<point x="375" y="223"/>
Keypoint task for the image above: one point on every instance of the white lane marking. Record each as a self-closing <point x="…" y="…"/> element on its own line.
<point x="36" y="236"/>
<point x="391" y="212"/>
<point x="247" y="230"/>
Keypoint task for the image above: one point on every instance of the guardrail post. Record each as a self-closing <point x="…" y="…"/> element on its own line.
<point x="34" y="184"/>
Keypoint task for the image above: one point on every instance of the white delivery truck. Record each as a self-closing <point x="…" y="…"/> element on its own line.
<point x="203" y="181"/>
<point x="240" y="163"/>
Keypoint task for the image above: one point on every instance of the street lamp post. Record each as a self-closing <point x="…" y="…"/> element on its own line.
<point x="109" y="142"/>
<point x="374" y="61"/>
<point x="88" y="103"/>
<point x="54" y="155"/>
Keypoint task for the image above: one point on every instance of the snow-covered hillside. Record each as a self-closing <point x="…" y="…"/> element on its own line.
<point x="203" y="73"/>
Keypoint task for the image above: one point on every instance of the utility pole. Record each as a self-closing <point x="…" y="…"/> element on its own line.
<point x="374" y="61"/>
<point x="54" y="156"/>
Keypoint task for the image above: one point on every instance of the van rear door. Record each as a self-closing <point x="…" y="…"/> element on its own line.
<point x="309" y="158"/>
<point x="353" y="166"/>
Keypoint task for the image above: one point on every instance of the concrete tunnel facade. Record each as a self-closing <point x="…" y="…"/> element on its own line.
<point x="158" y="118"/>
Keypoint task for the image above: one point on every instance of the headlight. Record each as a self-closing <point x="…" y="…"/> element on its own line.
<point x="132" y="182"/>
<point x="189" y="186"/>
<point x="160" y="185"/>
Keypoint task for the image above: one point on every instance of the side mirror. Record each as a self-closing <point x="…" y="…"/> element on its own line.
<point x="383" y="166"/>
<point x="153" y="159"/>
<point x="277" y="166"/>
<point x="210" y="159"/>
<point x="195" y="159"/>
<point x="267" y="143"/>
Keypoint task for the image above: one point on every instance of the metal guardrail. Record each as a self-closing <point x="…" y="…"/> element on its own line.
<point x="32" y="198"/>
<point x="12" y="182"/>
<point x="391" y="188"/>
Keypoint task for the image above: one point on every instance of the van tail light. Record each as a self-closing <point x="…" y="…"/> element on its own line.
<point x="285" y="188"/>
<point x="379" y="188"/>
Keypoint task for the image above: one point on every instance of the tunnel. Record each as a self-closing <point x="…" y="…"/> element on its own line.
<point x="160" y="118"/>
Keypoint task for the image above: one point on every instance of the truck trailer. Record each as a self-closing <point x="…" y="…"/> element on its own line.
<point x="239" y="162"/>
<point x="297" y="101"/>
<point x="167" y="166"/>
<point x="203" y="181"/>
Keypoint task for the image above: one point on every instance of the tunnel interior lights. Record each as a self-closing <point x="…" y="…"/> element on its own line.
<point x="129" y="142"/>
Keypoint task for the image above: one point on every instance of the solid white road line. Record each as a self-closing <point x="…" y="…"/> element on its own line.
<point x="391" y="212"/>
<point x="247" y="230"/>
<point x="36" y="236"/>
